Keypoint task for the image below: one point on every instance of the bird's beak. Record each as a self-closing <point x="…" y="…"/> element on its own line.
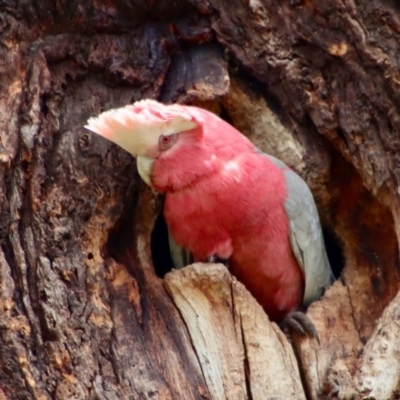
<point x="137" y="129"/>
<point x="145" y="166"/>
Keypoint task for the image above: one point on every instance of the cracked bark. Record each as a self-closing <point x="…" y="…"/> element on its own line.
<point x="226" y="344"/>
<point x="84" y="314"/>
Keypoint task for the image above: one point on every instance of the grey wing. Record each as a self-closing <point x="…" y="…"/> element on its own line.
<point x="181" y="257"/>
<point x="306" y="235"/>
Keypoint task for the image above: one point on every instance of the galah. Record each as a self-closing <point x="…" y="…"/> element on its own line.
<point x="226" y="199"/>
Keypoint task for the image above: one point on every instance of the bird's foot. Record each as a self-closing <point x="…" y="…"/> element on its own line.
<point x="214" y="259"/>
<point x="300" y="323"/>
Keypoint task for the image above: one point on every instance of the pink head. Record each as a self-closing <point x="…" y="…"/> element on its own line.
<point x="137" y="128"/>
<point x="179" y="142"/>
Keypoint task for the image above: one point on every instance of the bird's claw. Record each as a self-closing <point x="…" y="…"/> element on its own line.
<point x="214" y="259"/>
<point x="300" y="323"/>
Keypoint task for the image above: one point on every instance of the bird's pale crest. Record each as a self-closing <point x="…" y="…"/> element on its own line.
<point x="137" y="128"/>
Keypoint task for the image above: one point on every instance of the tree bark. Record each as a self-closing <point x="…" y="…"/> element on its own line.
<point x="86" y="311"/>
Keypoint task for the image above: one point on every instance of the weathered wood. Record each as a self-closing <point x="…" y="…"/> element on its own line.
<point x="84" y="314"/>
<point x="348" y="314"/>
<point x="242" y="355"/>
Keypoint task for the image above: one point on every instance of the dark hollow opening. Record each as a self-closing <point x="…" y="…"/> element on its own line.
<point x="334" y="250"/>
<point x="160" y="251"/>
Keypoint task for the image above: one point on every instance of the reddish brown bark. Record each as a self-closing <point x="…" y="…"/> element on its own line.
<point x="84" y="312"/>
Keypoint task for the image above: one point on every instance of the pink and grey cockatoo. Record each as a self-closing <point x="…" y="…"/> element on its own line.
<point x="227" y="199"/>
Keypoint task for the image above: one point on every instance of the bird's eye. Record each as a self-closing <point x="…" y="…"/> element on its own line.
<point x="167" y="141"/>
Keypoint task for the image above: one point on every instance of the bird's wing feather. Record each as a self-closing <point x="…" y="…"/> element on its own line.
<point x="306" y="235"/>
<point x="181" y="257"/>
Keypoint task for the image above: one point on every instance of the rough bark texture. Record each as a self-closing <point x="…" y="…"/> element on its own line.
<point x="84" y="311"/>
<point x="227" y="326"/>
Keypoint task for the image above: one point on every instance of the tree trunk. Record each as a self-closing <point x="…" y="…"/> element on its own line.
<point x="87" y="311"/>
